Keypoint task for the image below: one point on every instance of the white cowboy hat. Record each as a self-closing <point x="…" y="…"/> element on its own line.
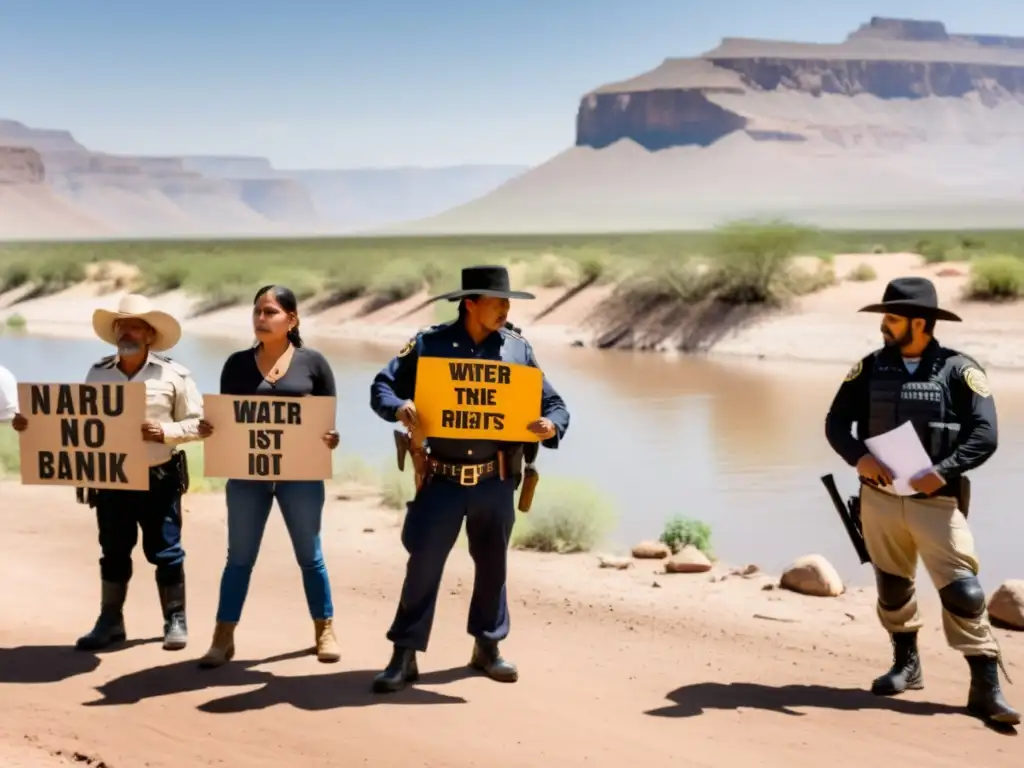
<point x="133" y="305"/>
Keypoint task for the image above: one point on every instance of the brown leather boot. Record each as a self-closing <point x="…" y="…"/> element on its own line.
<point x="327" y="649"/>
<point x="222" y="649"/>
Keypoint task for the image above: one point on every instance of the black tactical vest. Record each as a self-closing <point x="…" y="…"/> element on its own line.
<point x="922" y="398"/>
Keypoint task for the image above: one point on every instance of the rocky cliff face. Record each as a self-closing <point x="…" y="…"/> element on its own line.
<point x="695" y="102"/>
<point x="900" y="125"/>
<point x="143" y="196"/>
<point x="19" y="165"/>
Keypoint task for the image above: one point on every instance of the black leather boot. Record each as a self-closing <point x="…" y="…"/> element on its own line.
<point x="172" y="603"/>
<point x="109" y="627"/>
<point x="986" y="699"/>
<point x="487" y="658"/>
<point x="905" y="674"/>
<point x="400" y="670"/>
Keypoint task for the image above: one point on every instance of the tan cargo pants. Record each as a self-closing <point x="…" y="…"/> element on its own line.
<point x="897" y="529"/>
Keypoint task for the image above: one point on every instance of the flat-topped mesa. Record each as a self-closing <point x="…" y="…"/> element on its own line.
<point x="696" y="101"/>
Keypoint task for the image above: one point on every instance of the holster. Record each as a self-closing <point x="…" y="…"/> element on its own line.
<point x="178" y="467"/>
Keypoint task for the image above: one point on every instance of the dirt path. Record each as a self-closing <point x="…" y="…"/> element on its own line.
<point x="614" y="670"/>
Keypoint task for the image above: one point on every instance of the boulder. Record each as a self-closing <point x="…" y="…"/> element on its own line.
<point x="651" y="550"/>
<point x="812" y="575"/>
<point x="1006" y="605"/>
<point x="688" y="560"/>
<point x="614" y="561"/>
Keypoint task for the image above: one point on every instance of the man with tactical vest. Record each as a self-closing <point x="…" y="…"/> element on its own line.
<point x="945" y="395"/>
<point x="461" y="479"/>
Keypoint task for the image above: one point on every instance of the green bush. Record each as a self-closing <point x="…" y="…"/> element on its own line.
<point x="16" y="321"/>
<point x="862" y="273"/>
<point x="397" y="488"/>
<point x="567" y="516"/>
<point x="753" y="259"/>
<point x="682" y="531"/>
<point x="996" y="278"/>
<point x="354" y="469"/>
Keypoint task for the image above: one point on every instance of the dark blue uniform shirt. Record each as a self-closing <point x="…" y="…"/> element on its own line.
<point x="396" y="383"/>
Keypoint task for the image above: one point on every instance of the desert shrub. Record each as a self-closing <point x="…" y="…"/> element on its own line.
<point x="682" y="531"/>
<point x="862" y="273"/>
<point x="995" y="278"/>
<point x="397" y="488"/>
<point x="567" y="516"/>
<point x="16" y="321"/>
<point x="354" y="469"/>
<point x="753" y="259"/>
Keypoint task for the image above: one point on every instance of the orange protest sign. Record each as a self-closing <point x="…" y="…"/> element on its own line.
<point x="474" y="399"/>
<point x="85" y="435"/>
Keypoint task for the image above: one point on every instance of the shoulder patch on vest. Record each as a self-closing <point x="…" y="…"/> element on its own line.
<point x="976" y="379"/>
<point x="854" y="372"/>
<point x="409" y="346"/>
<point x="106" y="362"/>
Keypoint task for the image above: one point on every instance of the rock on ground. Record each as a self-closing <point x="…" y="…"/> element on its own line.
<point x="651" y="550"/>
<point x="688" y="560"/>
<point x="1006" y="606"/>
<point x="812" y="575"/>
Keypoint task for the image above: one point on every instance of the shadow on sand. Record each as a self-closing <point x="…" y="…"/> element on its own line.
<point x="38" y="664"/>
<point x="693" y="700"/>
<point x="308" y="692"/>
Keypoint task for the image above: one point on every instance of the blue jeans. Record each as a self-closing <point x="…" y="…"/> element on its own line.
<point x="249" y="504"/>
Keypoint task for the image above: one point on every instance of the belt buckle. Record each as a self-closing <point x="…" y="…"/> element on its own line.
<point x="469" y="474"/>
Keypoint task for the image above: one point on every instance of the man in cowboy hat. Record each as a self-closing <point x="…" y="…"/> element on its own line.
<point x="945" y="395"/>
<point x="173" y="410"/>
<point x="465" y="479"/>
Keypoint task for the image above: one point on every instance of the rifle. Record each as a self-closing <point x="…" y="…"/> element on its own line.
<point x="409" y="443"/>
<point x="530" y="476"/>
<point x="849" y="513"/>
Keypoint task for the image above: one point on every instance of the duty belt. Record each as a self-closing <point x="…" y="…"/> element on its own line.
<point x="465" y="474"/>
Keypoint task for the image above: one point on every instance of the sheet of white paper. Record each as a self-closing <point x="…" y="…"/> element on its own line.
<point x="901" y="451"/>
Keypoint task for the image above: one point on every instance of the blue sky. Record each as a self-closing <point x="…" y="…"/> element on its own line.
<point x="347" y="83"/>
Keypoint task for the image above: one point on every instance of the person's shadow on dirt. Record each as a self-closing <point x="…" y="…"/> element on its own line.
<point x="692" y="700"/>
<point x="40" y="664"/>
<point x="309" y="692"/>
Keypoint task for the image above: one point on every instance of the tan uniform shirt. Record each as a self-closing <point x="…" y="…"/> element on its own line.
<point x="172" y="399"/>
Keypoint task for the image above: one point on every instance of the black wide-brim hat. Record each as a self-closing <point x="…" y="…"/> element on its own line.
<point x="484" y="281"/>
<point x="911" y="297"/>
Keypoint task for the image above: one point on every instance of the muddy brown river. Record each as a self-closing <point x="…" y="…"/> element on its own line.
<point x="739" y="444"/>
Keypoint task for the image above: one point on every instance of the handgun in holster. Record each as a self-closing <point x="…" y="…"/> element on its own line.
<point x="180" y="459"/>
<point x="405" y="444"/>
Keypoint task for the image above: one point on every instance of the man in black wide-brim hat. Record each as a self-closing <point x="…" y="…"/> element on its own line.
<point x="464" y="479"/>
<point x="945" y="395"/>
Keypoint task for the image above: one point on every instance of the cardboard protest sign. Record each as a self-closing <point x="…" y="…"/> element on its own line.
<point x="85" y="435"/>
<point x="261" y="437"/>
<point x="477" y="399"/>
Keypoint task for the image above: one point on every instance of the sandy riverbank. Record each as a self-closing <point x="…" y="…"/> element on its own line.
<point x="614" y="664"/>
<point x="820" y="327"/>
